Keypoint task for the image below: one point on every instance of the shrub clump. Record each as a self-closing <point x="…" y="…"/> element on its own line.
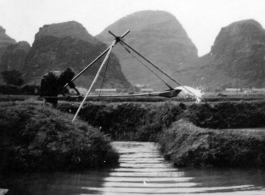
<point x="37" y="138"/>
<point x="187" y="145"/>
<point x="137" y="121"/>
<point x="8" y="89"/>
<point x="228" y="114"/>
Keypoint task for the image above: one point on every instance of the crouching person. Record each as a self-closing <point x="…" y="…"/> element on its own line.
<point x="52" y="84"/>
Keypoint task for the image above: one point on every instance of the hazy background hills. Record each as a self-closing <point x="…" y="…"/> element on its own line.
<point x="158" y="36"/>
<point x="59" y="46"/>
<point x="63" y="45"/>
<point x="237" y="58"/>
<point x="5" y="41"/>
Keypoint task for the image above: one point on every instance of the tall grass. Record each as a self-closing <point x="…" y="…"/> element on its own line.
<point x="129" y="121"/>
<point x="37" y="138"/>
<point x="188" y="145"/>
<point x="189" y="135"/>
<point x="228" y="114"/>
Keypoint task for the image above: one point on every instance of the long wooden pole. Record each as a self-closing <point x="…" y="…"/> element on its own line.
<point x="101" y="66"/>
<point x="94" y="61"/>
<point x="123" y="43"/>
<point x="149" y="61"/>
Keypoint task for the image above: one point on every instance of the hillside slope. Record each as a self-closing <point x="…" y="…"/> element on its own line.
<point x="158" y="36"/>
<point x="68" y="44"/>
<point x="14" y="56"/>
<point x="5" y="41"/>
<point x="236" y="59"/>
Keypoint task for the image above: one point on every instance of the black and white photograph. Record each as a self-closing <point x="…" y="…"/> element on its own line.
<point x="139" y="97"/>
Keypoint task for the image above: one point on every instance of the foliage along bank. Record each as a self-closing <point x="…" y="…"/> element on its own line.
<point x="131" y="121"/>
<point x="188" y="145"/>
<point x="189" y="135"/>
<point x="38" y="138"/>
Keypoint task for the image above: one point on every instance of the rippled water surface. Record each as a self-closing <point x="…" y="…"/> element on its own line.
<point x="142" y="170"/>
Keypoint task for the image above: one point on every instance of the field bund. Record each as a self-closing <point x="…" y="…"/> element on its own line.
<point x="38" y="138"/>
<point x="190" y="135"/>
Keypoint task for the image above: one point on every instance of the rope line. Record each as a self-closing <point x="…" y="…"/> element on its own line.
<point x="128" y="46"/>
<point x="149" y="69"/>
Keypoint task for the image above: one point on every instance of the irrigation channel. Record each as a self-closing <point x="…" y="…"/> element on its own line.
<point x="142" y="170"/>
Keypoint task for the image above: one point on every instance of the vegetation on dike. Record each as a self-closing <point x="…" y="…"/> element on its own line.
<point x="223" y="115"/>
<point x="133" y="121"/>
<point x="9" y="89"/>
<point x="188" y="145"/>
<point x="38" y="138"/>
<point x="200" y="141"/>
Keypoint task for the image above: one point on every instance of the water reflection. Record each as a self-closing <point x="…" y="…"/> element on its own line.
<point x="59" y="183"/>
<point x="142" y="170"/>
<point x="219" y="177"/>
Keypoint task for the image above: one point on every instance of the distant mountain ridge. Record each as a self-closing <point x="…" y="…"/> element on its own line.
<point x="4" y="38"/>
<point x="5" y="41"/>
<point x="158" y="36"/>
<point x="14" y="56"/>
<point x="66" y="29"/>
<point x="68" y="44"/>
<point x="237" y="58"/>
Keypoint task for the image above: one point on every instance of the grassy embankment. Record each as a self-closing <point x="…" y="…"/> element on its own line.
<point x="188" y="145"/>
<point x="200" y="141"/>
<point x="190" y="136"/>
<point x="37" y="138"/>
<point x="134" y="121"/>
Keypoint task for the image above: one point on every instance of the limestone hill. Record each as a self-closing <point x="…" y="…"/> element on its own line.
<point x="58" y="46"/>
<point x="236" y="59"/>
<point x="14" y="56"/>
<point x="5" y="40"/>
<point x="158" y="36"/>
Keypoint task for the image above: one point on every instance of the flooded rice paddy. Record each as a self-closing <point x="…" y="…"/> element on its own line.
<point x="142" y="170"/>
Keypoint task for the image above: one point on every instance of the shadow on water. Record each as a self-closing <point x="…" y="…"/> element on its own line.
<point x="142" y="170"/>
<point x="59" y="183"/>
<point x="244" y="179"/>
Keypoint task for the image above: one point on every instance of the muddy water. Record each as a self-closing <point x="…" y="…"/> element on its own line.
<point x="142" y="170"/>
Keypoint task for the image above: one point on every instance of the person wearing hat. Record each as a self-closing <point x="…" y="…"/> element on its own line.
<point x="52" y="84"/>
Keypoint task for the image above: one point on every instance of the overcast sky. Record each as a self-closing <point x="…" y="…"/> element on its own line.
<point x="202" y="19"/>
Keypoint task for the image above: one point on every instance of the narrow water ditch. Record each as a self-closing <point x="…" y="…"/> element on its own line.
<point x="141" y="170"/>
<point x="185" y="140"/>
